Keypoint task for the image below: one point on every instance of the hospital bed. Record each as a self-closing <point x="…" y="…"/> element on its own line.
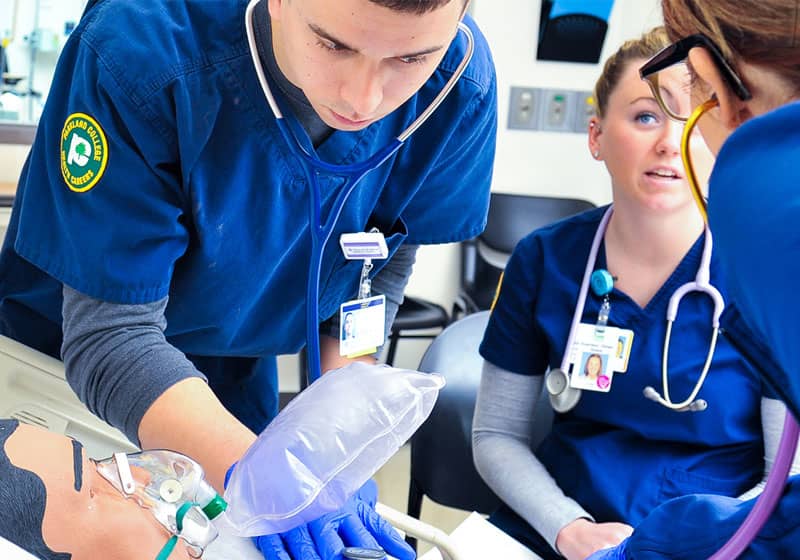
<point x="34" y="390"/>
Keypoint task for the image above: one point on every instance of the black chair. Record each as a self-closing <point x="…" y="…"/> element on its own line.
<point x="442" y="465"/>
<point x="415" y="314"/>
<point x="511" y="217"/>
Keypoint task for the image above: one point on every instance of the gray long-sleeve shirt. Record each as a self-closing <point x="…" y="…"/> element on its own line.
<point x="119" y="361"/>
<point x="503" y="422"/>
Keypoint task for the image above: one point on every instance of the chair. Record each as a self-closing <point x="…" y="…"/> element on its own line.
<point x="415" y="314"/>
<point x="511" y="217"/>
<point x="442" y="465"/>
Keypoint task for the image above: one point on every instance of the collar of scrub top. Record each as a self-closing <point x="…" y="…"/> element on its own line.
<point x="321" y="229"/>
<point x="563" y="397"/>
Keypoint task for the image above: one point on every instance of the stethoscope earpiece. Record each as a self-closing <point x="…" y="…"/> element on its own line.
<point x="563" y="398"/>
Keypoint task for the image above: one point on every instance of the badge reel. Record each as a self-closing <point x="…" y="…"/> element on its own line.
<point x="563" y="396"/>
<point x="363" y="320"/>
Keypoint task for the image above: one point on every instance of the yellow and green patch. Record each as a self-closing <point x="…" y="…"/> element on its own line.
<point x="84" y="152"/>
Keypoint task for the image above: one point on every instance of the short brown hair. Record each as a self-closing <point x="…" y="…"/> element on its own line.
<point x="760" y="32"/>
<point x="418" y="7"/>
<point x="635" y="49"/>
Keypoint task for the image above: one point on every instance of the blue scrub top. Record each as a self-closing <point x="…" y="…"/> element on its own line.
<point x="753" y="209"/>
<point x="180" y="184"/>
<point x="619" y="454"/>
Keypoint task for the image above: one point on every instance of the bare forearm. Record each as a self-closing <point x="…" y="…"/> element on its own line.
<point x="188" y="418"/>
<point x="331" y="359"/>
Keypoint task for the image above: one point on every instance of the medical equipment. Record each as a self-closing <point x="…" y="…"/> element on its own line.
<point x="358" y="553"/>
<point x="563" y="397"/>
<point x="171" y="486"/>
<point x="352" y="175"/>
<point x="325" y="444"/>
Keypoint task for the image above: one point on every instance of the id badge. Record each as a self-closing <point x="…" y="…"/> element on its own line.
<point x="596" y="355"/>
<point x="362" y="326"/>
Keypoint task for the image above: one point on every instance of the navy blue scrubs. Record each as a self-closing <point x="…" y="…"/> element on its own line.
<point x="158" y="170"/>
<point x="754" y="208"/>
<point x="618" y="454"/>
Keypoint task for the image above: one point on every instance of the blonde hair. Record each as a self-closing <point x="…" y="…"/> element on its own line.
<point x="760" y="32"/>
<point x="635" y="49"/>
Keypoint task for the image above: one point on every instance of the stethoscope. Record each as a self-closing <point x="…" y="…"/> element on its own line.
<point x="563" y="397"/>
<point x="352" y="174"/>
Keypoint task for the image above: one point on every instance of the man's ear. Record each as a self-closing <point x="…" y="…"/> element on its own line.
<point x="274" y="7"/>
<point x="732" y="110"/>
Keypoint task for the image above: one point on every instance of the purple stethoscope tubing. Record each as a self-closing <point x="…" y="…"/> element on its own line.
<point x="769" y="498"/>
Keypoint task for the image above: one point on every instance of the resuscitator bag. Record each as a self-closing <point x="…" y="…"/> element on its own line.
<point x="327" y="442"/>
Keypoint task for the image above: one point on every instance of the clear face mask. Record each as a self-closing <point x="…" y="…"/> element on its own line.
<point x="172" y="487"/>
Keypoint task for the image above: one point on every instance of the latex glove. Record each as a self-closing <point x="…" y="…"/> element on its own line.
<point x="582" y="537"/>
<point x="357" y="524"/>
<point x="616" y="553"/>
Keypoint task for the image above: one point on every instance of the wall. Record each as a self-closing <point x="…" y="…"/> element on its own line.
<point x="531" y="162"/>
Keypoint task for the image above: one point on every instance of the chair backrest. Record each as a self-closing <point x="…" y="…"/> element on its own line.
<point x="441" y="450"/>
<point x="511" y="217"/>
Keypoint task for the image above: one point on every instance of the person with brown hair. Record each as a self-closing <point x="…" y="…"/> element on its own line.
<point x="616" y="455"/>
<point x="744" y="59"/>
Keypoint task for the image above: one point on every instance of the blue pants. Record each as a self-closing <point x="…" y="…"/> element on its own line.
<point x="694" y="527"/>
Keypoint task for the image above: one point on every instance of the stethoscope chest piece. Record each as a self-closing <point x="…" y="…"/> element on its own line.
<point x="563" y="398"/>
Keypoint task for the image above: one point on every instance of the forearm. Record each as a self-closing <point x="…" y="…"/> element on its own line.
<point x="121" y="365"/>
<point x="502" y="425"/>
<point x="330" y="358"/>
<point x="188" y="418"/>
<point x="773" y="414"/>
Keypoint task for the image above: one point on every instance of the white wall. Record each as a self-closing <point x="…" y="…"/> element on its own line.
<point x="549" y="163"/>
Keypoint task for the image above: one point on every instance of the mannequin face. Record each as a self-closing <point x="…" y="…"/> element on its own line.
<point x="357" y="61"/>
<point x="96" y="518"/>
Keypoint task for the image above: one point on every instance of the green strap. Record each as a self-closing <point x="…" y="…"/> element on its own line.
<point x="170" y="545"/>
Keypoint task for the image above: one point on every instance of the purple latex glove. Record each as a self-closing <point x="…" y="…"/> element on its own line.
<point x="357" y="525"/>
<point x="615" y="553"/>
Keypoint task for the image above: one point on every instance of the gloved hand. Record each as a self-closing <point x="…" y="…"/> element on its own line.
<point x="357" y="524"/>
<point x="615" y="553"/>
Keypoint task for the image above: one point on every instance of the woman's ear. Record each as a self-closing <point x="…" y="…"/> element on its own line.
<point x="732" y="110"/>
<point x="594" y="137"/>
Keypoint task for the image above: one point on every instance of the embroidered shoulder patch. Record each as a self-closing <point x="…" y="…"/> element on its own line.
<point x="84" y="152"/>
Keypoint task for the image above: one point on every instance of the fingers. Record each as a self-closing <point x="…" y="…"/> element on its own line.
<point x="325" y="532"/>
<point x="385" y="534"/>
<point x="369" y="492"/>
<point x="354" y="533"/>
<point x="271" y="547"/>
<point x="301" y="544"/>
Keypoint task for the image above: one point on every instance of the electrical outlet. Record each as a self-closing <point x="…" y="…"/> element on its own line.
<point x="584" y="110"/>
<point x="522" y="110"/>
<point x="557" y="109"/>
